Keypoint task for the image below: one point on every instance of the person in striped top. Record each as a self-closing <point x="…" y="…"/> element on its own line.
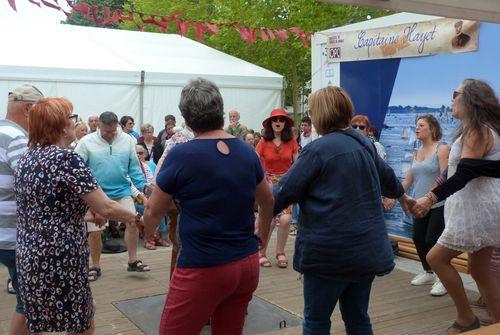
<point x="13" y="142"/>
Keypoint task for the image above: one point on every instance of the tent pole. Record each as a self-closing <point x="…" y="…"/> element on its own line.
<point x="141" y="99"/>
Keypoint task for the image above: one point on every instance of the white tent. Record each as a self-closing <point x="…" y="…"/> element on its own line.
<point x="130" y="73"/>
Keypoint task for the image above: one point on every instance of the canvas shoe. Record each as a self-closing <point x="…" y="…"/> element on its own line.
<point x="438" y="289"/>
<point x="426" y="278"/>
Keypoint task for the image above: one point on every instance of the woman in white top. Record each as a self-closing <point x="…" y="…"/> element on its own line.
<point x="472" y="215"/>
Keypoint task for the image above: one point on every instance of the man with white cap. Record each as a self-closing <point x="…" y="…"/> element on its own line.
<point x="13" y="143"/>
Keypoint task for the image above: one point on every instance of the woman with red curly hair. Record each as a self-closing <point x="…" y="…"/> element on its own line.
<point x="54" y="189"/>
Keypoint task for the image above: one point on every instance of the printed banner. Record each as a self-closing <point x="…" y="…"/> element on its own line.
<point x="404" y="40"/>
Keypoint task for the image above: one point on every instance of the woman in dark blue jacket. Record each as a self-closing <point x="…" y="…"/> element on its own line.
<point x="342" y="241"/>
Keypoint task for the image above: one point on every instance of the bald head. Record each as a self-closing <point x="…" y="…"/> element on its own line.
<point x="234" y="117"/>
<point x="93" y="122"/>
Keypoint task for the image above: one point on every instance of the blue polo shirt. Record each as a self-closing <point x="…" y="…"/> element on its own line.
<point x="215" y="194"/>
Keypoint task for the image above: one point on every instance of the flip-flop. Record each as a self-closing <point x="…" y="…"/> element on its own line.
<point x="264" y="262"/>
<point x="475" y="325"/>
<point x="282" y="263"/>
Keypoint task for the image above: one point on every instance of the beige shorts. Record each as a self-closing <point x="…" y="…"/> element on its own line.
<point x="127" y="201"/>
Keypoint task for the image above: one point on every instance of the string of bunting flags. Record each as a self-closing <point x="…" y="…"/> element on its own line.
<point x="114" y="16"/>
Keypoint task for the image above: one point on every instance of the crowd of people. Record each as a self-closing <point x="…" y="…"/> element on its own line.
<point x="326" y="181"/>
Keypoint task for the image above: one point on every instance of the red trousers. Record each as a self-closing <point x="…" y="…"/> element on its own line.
<point x="220" y="294"/>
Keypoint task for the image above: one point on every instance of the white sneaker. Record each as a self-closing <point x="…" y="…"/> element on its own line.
<point x="425" y="278"/>
<point x="438" y="289"/>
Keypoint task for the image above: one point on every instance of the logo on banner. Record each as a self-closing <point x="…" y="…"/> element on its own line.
<point x="405" y="40"/>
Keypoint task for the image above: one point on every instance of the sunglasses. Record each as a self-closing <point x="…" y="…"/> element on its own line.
<point x="140" y="153"/>
<point x="358" y="126"/>
<point x="278" y="119"/>
<point x="74" y="118"/>
<point x="456" y="94"/>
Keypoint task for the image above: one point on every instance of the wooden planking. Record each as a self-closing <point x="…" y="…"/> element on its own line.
<point x="396" y="307"/>
<point x="407" y="250"/>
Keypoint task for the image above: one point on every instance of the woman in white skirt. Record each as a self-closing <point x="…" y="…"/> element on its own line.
<point x="472" y="215"/>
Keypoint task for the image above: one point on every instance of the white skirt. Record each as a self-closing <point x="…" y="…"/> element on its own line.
<point x="472" y="216"/>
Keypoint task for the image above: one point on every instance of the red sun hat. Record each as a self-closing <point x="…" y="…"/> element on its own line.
<point x="279" y="112"/>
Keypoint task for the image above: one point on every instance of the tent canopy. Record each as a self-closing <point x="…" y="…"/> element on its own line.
<point x="100" y="69"/>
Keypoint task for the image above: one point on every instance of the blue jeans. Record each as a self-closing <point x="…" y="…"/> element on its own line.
<point x="8" y="258"/>
<point x="320" y="297"/>
<point x="295" y="213"/>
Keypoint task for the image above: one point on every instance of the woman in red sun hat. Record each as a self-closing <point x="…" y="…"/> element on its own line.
<point x="278" y="151"/>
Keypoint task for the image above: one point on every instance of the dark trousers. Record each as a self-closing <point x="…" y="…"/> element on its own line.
<point x="321" y="296"/>
<point x="8" y="258"/>
<point x="426" y="232"/>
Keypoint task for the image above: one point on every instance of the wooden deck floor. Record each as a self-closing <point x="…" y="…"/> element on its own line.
<point x="396" y="307"/>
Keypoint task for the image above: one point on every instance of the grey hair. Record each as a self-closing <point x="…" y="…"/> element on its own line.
<point x="147" y="126"/>
<point x="202" y="106"/>
<point x="108" y="118"/>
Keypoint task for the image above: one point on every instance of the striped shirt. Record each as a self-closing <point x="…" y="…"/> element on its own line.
<point x="13" y="143"/>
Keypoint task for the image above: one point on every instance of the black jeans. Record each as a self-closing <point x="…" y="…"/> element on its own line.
<point x="426" y="232"/>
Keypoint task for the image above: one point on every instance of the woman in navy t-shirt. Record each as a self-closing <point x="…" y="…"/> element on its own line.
<point x="214" y="181"/>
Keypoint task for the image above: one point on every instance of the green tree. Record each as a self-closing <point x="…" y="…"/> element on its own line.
<point x="79" y="19"/>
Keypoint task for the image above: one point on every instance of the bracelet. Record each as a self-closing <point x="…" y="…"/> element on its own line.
<point x="432" y="197"/>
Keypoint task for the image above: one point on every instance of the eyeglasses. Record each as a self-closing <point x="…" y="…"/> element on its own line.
<point x="74" y="118"/>
<point x="278" y="119"/>
<point x="358" y="126"/>
<point x="140" y="153"/>
<point x="130" y="123"/>
<point x="456" y="94"/>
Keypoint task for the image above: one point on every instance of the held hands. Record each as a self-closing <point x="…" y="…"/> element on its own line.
<point x="388" y="203"/>
<point x="422" y="207"/>
<point x="407" y="204"/>
<point x="95" y="218"/>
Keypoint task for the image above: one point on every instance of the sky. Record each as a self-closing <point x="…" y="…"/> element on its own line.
<point x="430" y="81"/>
<point x="30" y="14"/>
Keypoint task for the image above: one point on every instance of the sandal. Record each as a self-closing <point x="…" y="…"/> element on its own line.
<point x="94" y="273"/>
<point x="475" y="325"/>
<point x="478" y="303"/>
<point x="10" y="287"/>
<point x="293" y="230"/>
<point x="264" y="262"/>
<point x="161" y="242"/>
<point x="137" y="266"/>
<point x="149" y="245"/>
<point x="282" y="263"/>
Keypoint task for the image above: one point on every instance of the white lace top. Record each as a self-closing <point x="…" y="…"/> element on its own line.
<point x="472" y="215"/>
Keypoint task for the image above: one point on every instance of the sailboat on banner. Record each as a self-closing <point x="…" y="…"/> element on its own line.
<point x="405" y="134"/>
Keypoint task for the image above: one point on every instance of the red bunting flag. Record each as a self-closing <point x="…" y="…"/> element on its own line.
<point x="183" y="26"/>
<point x="12" y="4"/>
<point x="51" y="5"/>
<point x="263" y="35"/>
<point x="282" y="35"/>
<point x="271" y="34"/>
<point x="302" y="35"/>
<point x="81" y="8"/>
<point x="35" y="3"/>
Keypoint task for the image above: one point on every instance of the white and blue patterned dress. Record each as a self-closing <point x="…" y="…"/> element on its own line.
<point x="52" y="250"/>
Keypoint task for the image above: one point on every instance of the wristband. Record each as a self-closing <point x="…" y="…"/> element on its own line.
<point x="432" y="197"/>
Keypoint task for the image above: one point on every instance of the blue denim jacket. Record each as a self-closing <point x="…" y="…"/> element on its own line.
<point x="338" y="181"/>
